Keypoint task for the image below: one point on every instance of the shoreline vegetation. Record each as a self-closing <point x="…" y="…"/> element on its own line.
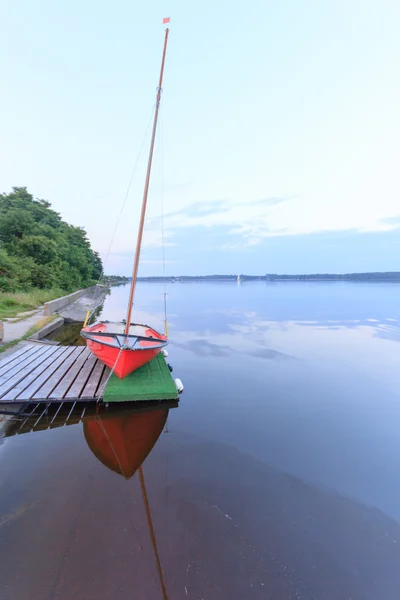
<point x="41" y="256"/>
<point x="11" y="304"/>
<point x="115" y="279"/>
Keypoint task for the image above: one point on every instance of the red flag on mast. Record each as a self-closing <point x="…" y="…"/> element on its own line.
<point x="166" y="20"/>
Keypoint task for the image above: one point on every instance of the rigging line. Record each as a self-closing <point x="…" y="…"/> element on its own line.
<point x="162" y="194"/>
<point x="166" y="490"/>
<point x="119" y="217"/>
<point x="100" y="422"/>
<point x="152" y="535"/>
<point x="162" y="220"/>
<point x="128" y="188"/>
<point x="101" y="391"/>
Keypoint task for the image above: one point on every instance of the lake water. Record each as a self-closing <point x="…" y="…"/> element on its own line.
<point x="278" y="476"/>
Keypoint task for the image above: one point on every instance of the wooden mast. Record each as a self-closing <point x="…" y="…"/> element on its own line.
<point x="146" y="191"/>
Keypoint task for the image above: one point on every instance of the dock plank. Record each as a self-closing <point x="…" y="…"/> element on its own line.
<point x="103" y="381"/>
<point x="23" y="370"/>
<point x="89" y="391"/>
<point x="62" y="388"/>
<point x="15" y="356"/>
<point x="29" y="392"/>
<point x="80" y="381"/>
<point x="20" y="361"/>
<point x="69" y="375"/>
<point x="45" y="391"/>
<point x="33" y="376"/>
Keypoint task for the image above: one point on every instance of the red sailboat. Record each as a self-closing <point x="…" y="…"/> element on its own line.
<point x="126" y="346"/>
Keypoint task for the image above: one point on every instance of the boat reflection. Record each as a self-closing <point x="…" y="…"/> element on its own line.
<point x="120" y="437"/>
<point x="33" y="417"/>
<point x="123" y="442"/>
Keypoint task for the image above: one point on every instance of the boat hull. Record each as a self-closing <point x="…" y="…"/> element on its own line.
<point x="123" y="362"/>
<point x="123" y="353"/>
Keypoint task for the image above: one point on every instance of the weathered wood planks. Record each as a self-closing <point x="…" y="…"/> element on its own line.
<point x="47" y="373"/>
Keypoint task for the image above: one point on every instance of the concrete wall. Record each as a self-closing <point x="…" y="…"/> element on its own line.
<point x="50" y="308"/>
<point x="47" y="329"/>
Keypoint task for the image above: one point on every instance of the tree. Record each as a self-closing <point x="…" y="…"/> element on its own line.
<point x="38" y="249"/>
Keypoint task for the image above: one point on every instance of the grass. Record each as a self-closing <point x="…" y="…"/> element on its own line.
<point x="38" y="325"/>
<point x="8" y="345"/>
<point x="34" y="329"/>
<point x="11" y="304"/>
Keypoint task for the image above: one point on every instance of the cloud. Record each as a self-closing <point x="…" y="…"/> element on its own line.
<point x="391" y="222"/>
<point x="208" y="250"/>
<point x="152" y="238"/>
<point x="146" y="261"/>
<point x="174" y="187"/>
<point x="251" y="218"/>
<point x="252" y="241"/>
<point x="217" y="207"/>
<point x="200" y="209"/>
<point x="272" y="201"/>
<point x="247" y="223"/>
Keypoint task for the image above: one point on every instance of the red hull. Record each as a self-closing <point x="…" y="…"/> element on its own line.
<point x="125" y="361"/>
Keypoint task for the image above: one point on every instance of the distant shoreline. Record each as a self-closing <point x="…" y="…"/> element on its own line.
<point x="379" y="277"/>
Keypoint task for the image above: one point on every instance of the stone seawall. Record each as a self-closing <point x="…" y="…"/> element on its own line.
<point x="54" y="306"/>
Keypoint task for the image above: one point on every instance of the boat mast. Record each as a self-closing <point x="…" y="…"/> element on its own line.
<point x="146" y="191"/>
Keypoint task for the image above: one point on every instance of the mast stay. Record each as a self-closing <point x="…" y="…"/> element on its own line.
<point x="146" y="191"/>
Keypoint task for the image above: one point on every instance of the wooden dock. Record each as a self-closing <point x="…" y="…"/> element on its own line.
<point x="45" y="373"/>
<point x="41" y="417"/>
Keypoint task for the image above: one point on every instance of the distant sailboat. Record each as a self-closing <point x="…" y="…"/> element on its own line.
<point x="126" y="346"/>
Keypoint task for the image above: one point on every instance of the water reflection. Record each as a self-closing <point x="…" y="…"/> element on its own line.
<point x="280" y="478"/>
<point x="122" y="443"/>
<point x="119" y="436"/>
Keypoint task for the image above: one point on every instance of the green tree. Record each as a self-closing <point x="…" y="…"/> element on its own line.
<point x="38" y="249"/>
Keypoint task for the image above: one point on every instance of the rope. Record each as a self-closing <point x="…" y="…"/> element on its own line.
<point x="162" y="194"/>
<point x="162" y="222"/>
<point x="100" y="422"/>
<point x="101" y="392"/>
<point x="128" y="188"/>
<point x="120" y="214"/>
<point x="90" y="313"/>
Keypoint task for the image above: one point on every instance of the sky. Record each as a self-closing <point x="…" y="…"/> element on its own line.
<point x="278" y="140"/>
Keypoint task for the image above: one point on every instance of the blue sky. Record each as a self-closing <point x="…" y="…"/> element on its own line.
<point x="279" y="136"/>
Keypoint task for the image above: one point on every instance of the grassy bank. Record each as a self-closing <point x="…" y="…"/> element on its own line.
<point x="13" y="303"/>
<point x="34" y="329"/>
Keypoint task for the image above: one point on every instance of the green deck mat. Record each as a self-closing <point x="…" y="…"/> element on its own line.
<point x="153" y="381"/>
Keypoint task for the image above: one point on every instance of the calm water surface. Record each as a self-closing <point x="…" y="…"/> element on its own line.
<point x="278" y="476"/>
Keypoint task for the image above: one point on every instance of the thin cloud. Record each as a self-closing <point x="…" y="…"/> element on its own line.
<point x="200" y="209"/>
<point x="156" y="262"/>
<point x="271" y="201"/>
<point x="392" y="222"/>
